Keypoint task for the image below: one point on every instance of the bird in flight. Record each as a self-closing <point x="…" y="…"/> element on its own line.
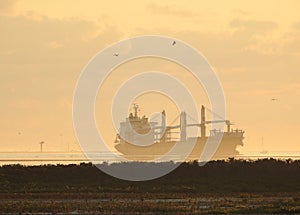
<point x="174" y="43"/>
<point x="273" y="99"/>
<point x="116" y="54"/>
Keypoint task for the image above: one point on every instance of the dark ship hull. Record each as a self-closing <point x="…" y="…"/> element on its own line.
<point x="226" y="149"/>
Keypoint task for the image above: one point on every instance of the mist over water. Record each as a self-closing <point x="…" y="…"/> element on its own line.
<point x="42" y="158"/>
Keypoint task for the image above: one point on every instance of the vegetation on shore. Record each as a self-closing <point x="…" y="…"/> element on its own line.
<point x="267" y="175"/>
<point x="233" y="186"/>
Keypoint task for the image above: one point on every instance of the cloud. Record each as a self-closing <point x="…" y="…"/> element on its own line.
<point x="169" y="10"/>
<point x="297" y="26"/>
<point x="291" y="41"/>
<point x="7" y="6"/>
<point x="33" y="38"/>
<point x="240" y="12"/>
<point x="242" y="57"/>
<point x="55" y="44"/>
<point x="253" y="25"/>
<point x="6" y="52"/>
<point x="41" y="58"/>
<point x="226" y="49"/>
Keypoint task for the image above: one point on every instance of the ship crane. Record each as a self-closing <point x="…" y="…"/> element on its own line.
<point x="227" y="122"/>
<point x="203" y="123"/>
<point x="183" y="123"/>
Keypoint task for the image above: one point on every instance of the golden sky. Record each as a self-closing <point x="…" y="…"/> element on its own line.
<point x="253" y="46"/>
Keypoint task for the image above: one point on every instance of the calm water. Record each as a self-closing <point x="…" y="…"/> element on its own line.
<point x="37" y="158"/>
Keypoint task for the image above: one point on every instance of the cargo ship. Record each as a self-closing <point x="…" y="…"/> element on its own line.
<point x="142" y="139"/>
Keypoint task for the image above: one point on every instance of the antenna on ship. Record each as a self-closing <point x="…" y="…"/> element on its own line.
<point x="135" y="108"/>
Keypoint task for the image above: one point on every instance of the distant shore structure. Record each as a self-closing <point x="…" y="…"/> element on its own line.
<point x="263" y="148"/>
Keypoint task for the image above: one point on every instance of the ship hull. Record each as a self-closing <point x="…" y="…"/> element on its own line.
<point x="227" y="148"/>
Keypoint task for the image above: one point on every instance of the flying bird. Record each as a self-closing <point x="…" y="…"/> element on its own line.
<point x="273" y="99"/>
<point x="174" y="43"/>
<point x="116" y="54"/>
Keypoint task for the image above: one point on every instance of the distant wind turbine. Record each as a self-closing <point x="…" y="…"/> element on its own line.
<point x="41" y="143"/>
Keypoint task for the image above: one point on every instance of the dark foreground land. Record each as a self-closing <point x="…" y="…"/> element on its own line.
<point x="219" y="187"/>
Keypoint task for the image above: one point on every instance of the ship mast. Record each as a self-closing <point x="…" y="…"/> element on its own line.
<point x="135" y="108"/>
<point x="202" y="125"/>
<point x="183" y="126"/>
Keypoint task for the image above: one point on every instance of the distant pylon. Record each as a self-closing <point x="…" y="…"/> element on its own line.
<point x="41" y="143"/>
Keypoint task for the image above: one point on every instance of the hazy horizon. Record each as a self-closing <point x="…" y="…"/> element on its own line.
<point x="252" y="46"/>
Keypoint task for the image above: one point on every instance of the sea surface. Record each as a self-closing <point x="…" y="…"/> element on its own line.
<point x="41" y="158"/>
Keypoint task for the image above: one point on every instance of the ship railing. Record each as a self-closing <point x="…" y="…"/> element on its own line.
<point x="235" y="132"/>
